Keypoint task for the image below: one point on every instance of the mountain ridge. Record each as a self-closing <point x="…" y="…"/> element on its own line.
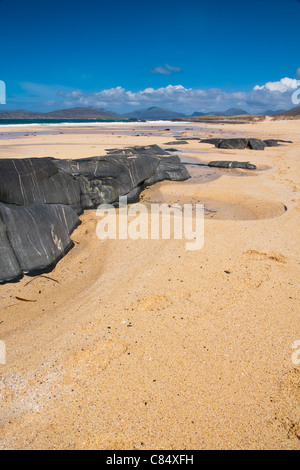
<point x="68" y="113"/>
<point x="152" y="113"/>
<point x="291" y="112"/>
<point x="229" y="112"/>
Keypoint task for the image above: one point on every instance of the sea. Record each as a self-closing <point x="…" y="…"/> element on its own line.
<point x="77" y="122"/>
<point x="37" y="122"/>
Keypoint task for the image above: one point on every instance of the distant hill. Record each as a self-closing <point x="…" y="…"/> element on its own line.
<point x="154" y="114"/>
<point x="69" y="113"/>
<point x="291" y="112"/>
<point x="82" y="113"/>
<point x="234" y="112"/>
<point x="20" y="114"/>
<point x="228" y="113"/>
<point x="270" y="112"/>
<point x="196" y="113"/>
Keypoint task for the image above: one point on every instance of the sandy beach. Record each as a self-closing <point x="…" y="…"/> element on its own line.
<point x="142" y="344"/>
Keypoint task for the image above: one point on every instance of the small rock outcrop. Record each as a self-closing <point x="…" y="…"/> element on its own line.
<point x="242" y="143"/>
<point x="232" y="164"/>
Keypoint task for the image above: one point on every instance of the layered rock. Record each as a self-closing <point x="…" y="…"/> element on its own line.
<point x="41" y="199"/>
<point x="232" y="164"/>
<point x="33" y="238"/>
<point x="242" y="143"/>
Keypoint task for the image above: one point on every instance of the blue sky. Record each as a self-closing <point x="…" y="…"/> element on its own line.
<point x="123" y="55"/>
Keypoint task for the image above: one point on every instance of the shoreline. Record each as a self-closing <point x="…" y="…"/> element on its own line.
<point x="141" y="344"/>
<point x="96" y="123"/>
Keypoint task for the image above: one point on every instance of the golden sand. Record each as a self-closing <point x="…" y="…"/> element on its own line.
<point x="141" y="344"/>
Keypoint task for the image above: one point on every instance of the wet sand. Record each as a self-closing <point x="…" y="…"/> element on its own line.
<point x="141" y="344"/>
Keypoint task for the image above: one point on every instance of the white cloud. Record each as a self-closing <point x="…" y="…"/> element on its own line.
<point x="166" y="70"/>
<point x="161" y="70"/>
<point x="284" y="85"/>
<point x="272" y="95"/>
<point x="172" y="69"/>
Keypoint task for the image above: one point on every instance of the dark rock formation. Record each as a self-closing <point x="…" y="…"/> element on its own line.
<point x="187" y="138"/>
<point x="41" y="198"/>
<point x="232" y="144"/>
<point x="36" y="180"/>
<point x="232" y="164"/>
<point x="271" y="143"/>
<point x="34" y="238"/>
<point x="9" y="266"/>
<point x="214" y="141"/>
<point x="122" y="172"/>
<point x="177" y="142"/>
<point x="254" y="144"/>
<point x="275" y="143"/>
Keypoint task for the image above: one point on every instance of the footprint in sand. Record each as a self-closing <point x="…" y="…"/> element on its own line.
<point x="156" y="302"/>
<point x="160" y="302"/>
<point x="92" y="360"/>
<point x="270" y="256"/>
